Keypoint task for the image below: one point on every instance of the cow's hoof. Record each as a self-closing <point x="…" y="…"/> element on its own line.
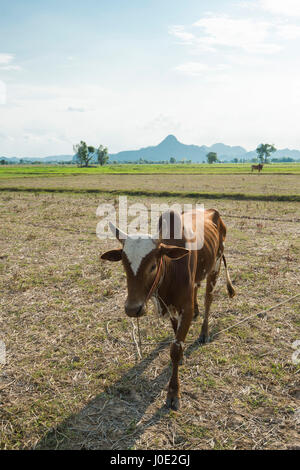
<point x="204" y="339"/>
<point x="173" y="403"/>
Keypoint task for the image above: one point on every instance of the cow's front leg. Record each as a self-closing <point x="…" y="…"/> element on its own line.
<point x="176" y="353"/>
<point x="173" y="396"/>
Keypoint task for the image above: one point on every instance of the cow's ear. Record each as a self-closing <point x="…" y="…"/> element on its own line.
<point x="173" y="252"/>
<point x="112" y="255"/>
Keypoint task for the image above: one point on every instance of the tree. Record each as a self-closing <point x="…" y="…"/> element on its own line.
<point x="212" y="157"/>
<point x="84" y="153"/>
<point x="172" y="160"/>
<point x="102" y="155"/>
<point x="264" y="151"/>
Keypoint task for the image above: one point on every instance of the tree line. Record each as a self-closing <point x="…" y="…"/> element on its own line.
<point x="263" y="153"/>
<point x="85" y="153"/>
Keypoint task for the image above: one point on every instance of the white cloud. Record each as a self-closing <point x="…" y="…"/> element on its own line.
<point x="289" y="8"/>
<point x="6" y="62"/>
<point x="6" y="58"/>
<point x="72" y="109"/>
<point x="250" y="35"/>
<point x="180" y="32"/>
<point x="162" y="123"/>
<point x="2" y="92"/>
<point x="110" y="118"/>
<point x="10" y="67"/>
<point x="192" y="68"/>
<point x="249" y="41"/>
<point x="198" y="68"/>
<point x="215" y="32"/>
<point x="288" y="31"/>
<point x="245" y="72"/>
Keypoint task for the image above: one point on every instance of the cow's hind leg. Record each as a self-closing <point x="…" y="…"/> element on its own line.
<point x="196" y="307"/>
<point x="210" y="286"/>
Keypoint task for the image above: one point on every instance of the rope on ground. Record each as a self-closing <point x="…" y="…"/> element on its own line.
<point x="260" y="314"/>
<point x="138" y="345"/>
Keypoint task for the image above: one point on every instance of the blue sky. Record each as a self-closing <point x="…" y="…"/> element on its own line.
<point x="126" y="73"/>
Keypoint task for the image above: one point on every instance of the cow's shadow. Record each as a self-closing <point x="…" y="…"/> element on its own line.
<point x="118" y="417"/>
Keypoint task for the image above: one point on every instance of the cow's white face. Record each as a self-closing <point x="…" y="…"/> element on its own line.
<point x="141" y="257"/>
<point x="136" y="249"/>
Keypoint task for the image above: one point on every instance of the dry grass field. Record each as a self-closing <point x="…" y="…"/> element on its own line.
<point x="263" y="184"/>
<point x="72" y="378"/>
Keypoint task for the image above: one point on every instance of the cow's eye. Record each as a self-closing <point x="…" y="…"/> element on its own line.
<point x="153" y="267"/>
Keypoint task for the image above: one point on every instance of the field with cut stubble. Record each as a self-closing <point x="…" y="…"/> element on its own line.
<point x="72" y="378"/>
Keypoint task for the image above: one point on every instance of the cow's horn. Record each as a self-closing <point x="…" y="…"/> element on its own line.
<point x="161" y="230"/>
<point x="119" y="234"/>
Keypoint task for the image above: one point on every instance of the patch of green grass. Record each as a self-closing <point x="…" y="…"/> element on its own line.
<point x="195" y="431"/>
<point x="257" y="399"/>
<point x="277" y="370"/>
<point x="25" y="171"/>
<point x="131" y="427"/>
<point x="248" y="365"/>
<point x="206" y="382"/>
<point x="226" y="445"/>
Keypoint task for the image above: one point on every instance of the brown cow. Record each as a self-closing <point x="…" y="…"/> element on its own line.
<point x="169" y="272"/>
<point x="257" y="167"/>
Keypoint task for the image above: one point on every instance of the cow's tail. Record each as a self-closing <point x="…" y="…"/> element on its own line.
<point x="230" y="288"/>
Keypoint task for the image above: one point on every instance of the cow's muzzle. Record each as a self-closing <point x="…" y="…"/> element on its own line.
<point x="135" y="311"/>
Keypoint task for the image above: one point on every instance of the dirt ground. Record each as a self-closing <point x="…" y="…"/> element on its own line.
<point x="266" y="184"/>
<point x="72" y="378"/>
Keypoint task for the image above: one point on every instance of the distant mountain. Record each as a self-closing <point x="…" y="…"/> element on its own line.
<point x="10" y="160"/>
<point x="54" y="158"/>
<point x="169" y="147"/>
<point x="58" y="158"/>
<point x="287" y="153"/>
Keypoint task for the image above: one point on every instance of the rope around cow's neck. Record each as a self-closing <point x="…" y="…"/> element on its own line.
<point x="152" y="290"/>
<point x="140" y="341"/>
